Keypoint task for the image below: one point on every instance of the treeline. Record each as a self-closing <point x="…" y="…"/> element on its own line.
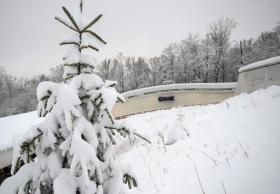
<point x="213" y="58"/>
<point x="18" y="95"/>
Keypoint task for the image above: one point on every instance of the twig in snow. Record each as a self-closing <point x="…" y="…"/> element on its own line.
<point x="217" y="149"/>
<point x="245" y="152"/>
<point x="162" y="140"/>
<point x="227" y="105"/>
<point x="153" y="180"/>
<point x="228" y="162"/>
<point x="209" y="157"/>
<point x="241" y="146"/>
<point x="127" y="131"/>
<point x="188" y="156"/>
<point x="225" y="191"/>
<point x="199" y="180"/>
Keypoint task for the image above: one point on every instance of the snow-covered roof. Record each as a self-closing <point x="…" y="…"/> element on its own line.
<point x="183" y="86"/>
<point x="11" y="125"/>
<point x="260" y="64"/>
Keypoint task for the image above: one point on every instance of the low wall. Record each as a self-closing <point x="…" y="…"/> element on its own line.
<point x="259" y="75"/>
<point x="6" y="157"/>
<point x="147" y="99"/>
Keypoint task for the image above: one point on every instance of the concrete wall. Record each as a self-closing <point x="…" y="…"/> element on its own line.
<point x="6" y="157"/>
<point x="184" y="97"/>
<point x="259" y="75"/>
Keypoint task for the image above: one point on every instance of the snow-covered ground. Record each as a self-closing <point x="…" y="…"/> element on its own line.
<point x="231" y="147"/>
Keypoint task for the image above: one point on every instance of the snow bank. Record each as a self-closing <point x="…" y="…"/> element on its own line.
<point x="260" y="64"/>
<point x="231" y="147"/>
<point x="11" y="125"/>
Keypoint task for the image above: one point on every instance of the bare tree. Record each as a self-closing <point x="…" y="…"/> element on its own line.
<point x="220" y="33"/>
<point x="138" y="72"/>
<point x="130" y="65"/>
<point x="207" y="53"/>
<point x="183" y="57"/>
<point x="105" y="69"/>
<point x="169" y="57"/>
<point x="190" y="53"/>
<point x="119" y="63"/>
<point x="10" y="84"/>
<point x="154" y="65"/>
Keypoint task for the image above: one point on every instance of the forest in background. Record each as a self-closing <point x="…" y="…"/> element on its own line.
<point x="212" y="58"/>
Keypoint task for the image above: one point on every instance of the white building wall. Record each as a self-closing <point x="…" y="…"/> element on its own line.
<point x="259" y="75"/>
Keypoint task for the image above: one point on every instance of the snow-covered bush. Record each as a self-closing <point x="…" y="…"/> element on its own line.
<point x="72" y="150"/>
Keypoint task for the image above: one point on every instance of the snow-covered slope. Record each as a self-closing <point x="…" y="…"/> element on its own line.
<point x="231" y="147"/>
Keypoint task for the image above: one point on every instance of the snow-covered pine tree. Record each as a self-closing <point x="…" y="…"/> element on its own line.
<point x="72" y="150"/>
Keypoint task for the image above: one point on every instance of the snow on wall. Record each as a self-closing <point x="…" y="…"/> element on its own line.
<point x="259" y="75"/>
<point x="183" y="86"/>
<point x="260" y="64"/>
<point x="11" y="125"/>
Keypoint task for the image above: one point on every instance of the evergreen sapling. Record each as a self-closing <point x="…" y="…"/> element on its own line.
<point x="72" y="150"/>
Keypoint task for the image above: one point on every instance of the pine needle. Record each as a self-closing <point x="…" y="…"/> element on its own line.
<point x="92" y="22"/>
<point x="96" y="36"/>
<point x="71" y="18"/>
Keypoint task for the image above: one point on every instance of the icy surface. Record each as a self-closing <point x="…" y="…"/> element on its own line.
<point x="259" y="64"/>
<point x="233" y="147"/>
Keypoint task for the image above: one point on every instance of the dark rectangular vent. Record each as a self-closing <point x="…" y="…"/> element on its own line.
<point x="166" y="98"/>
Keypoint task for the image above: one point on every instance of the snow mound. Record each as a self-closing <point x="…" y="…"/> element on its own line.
<point x="231" y="147"/>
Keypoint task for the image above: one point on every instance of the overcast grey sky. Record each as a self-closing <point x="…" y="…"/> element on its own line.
<point x="29" y="35"/>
